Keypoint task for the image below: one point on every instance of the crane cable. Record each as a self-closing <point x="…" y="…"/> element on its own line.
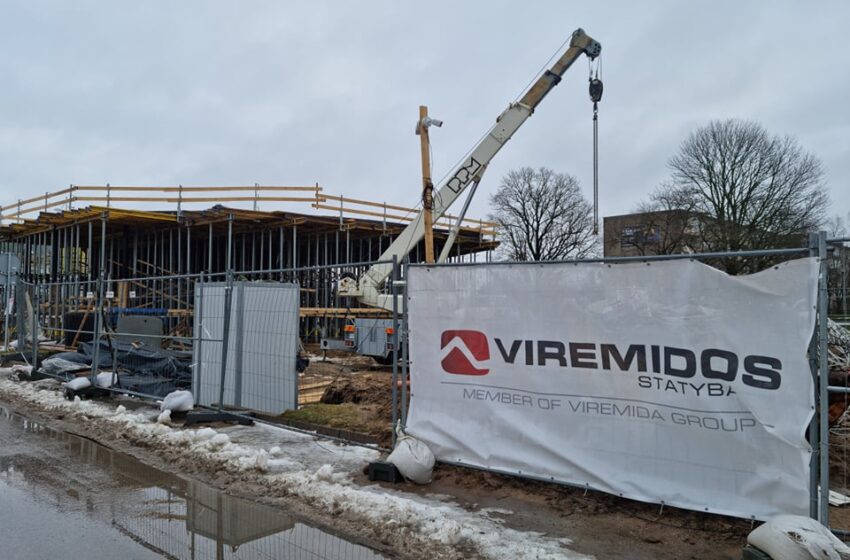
<point x="595" y="90"/>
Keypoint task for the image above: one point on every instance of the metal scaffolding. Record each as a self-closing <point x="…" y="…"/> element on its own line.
<point x="145" y="258"/>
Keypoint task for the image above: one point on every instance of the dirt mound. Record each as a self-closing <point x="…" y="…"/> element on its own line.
<point x="363" y="388"/>
<point x="372" y="392"/>
<point x="357" y="390"/>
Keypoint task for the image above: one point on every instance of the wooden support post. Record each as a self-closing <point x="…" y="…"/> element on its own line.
<point x="427" y="186"/>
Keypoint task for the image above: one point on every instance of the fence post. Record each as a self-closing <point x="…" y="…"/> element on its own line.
<point x="98" y="318"/>
<point x="7" y="293"/>
<point x="814" y="428"/>
<point x="199" y="338"/>
<point x="394" y="293"/>
<point x="823" y="379"/>
<point x="404" y="341"/>
<point x="228" y="300"/>
<point x="34" y="327"/>
<point x="238" y="345"/>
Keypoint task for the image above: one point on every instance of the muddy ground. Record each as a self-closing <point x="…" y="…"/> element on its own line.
<point x="359" y="398"/>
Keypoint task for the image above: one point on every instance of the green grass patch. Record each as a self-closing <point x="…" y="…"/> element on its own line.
<point x="347" y="416"/>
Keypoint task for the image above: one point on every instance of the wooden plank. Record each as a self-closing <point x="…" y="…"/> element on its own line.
<point x="427" y="187"/>
<point x="199" y="189"/>
<point x="440" y="223"/>
<point x="362" y="202"/>
<point x="37" y="198"/>
<point x="342" y="312"/>
<point x="38" y="208"/>
<point x="197" y="199"/>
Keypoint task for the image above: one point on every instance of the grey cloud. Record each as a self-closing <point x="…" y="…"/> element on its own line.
<point x="294" y="93"/>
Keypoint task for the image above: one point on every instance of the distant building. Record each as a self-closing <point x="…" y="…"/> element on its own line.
<point x="650" y="233"/>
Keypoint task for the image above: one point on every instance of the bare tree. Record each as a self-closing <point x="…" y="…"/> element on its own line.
<point x="836" y="226"/>
<point x="748" y="188"/>
<point x="542" y="215"/>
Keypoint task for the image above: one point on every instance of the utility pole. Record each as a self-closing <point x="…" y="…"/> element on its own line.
<point x="427" y="186"/>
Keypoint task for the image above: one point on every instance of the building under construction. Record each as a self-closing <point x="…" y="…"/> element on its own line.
<point x="151" y="258"/>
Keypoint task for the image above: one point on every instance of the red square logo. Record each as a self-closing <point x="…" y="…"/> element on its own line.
<point x="464" y="352"/>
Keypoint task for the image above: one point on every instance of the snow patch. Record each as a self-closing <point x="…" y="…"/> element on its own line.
<point x="317" y="471"/>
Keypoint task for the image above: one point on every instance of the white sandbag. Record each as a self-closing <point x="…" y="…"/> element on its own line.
<point x="178" y="401"/>
<point x="78" y="384"/>
<point x="413" y="459"/>
<point x="105" y="379"/>
<point x="794" y="537"/>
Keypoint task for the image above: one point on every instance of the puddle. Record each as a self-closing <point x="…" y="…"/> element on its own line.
<point x="61" y="495"/>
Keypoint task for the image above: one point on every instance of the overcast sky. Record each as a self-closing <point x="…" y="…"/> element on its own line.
<point x="218" y="93"/>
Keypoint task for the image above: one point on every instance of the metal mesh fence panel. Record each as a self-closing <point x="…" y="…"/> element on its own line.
<point x="9" y="265"/>
<point x="838" y="364"/>
<point x="262" y="345"/>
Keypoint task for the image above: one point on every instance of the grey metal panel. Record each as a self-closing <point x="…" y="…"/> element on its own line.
<point x="262" y="350"/>
<point x="209" y="327"/>
<point x="140" y="328"/>
<point x="270" y="346"/>
<point x="372" y="336"/>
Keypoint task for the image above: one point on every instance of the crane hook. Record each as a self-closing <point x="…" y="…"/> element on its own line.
<point x="595" y="90"/>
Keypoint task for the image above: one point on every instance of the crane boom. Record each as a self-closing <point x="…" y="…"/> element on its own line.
<point x="366" y="289"/>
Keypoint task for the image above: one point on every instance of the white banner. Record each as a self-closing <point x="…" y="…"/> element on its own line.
<point x="665" y="382"/>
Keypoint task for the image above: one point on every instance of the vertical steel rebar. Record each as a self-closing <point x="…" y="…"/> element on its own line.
<point x="280" y="257"/>
<point x="189" y="300"/>
<point x="394" y="293"/>
<point x="229" y="243"/>
<point x="844" y="250"/>
<point x="294" y="248"/>
<point x="89" y="256"/>
<point x="210" y="249"/>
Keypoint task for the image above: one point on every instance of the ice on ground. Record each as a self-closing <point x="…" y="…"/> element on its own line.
<point x="317" y="471"/>
<point x="205" y="434"/>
